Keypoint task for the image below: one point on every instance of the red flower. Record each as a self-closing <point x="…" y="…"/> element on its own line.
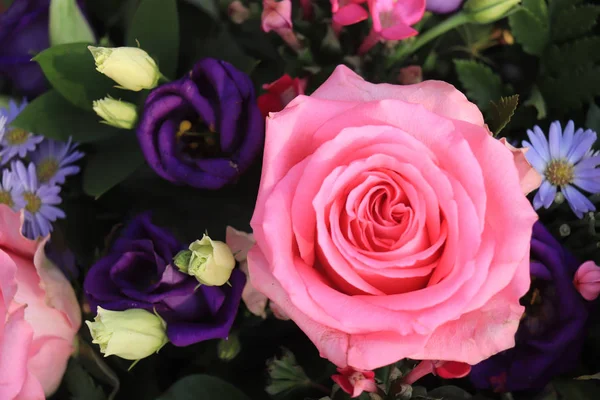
<point x="354" y="382"/>
<point x="280" y="93"/>
<point x="443" y="369"/>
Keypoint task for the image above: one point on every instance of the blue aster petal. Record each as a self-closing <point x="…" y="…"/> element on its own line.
<point x="577" y="201"/>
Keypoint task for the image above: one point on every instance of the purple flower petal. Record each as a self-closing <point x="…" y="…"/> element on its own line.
<point x="577" y="201"/>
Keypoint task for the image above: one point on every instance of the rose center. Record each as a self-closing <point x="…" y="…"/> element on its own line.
<point x="198" y="140"/>
<point x="34" y="203"/>
<point x="559" y="172"/>
<point x="47" y="169"/>
<point x="17" y="136"/>
<point x="6" y="198"/>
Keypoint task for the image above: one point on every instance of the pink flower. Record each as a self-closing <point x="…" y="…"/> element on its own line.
<point x="443" y="369"/>
<point x="389" y="224"/>
<point x="354" y="382"/>
<point x="238" y="12"/>
<point x="277" y="16"/>
<point x="280" y="93"/>
<point x="240" y="242"/>
<point x="392" y="20"/>
<point x="587" y="280"/>
<point x="39" y="316"/>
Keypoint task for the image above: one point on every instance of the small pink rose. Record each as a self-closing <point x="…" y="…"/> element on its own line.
<point x="238" y="12"/>
<point x="354" y="382"/>
<point x="390" y="224"/>
<point x="587" y="280"/>
<point x="39" y="315"/>
<point x="410" y="75"/>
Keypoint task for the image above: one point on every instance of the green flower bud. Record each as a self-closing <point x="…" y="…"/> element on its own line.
<point x="182" y="260"/>
<point x="488" y="11"/>
<point x="131" y="334"/>
<point x="117" y="113"/>
<point x="130" y="67"/>
<point x="229" y="348"/>
<point x="211" y="261"/>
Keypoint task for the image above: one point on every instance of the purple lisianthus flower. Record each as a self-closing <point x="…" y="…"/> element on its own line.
<point x="23" y="34"/>
<point x="443" y="6"/>
<point x="204" y="129"/>
<point x="550" y="336"/>
<point x="138" y="273"/>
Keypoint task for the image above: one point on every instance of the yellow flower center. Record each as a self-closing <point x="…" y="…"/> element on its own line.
<point x="559" y="172"/>
<point x="6" y="198"/>
<point x="17" y="136"/>
<point x="34" y="203"/>
<point x="47" y="169"/>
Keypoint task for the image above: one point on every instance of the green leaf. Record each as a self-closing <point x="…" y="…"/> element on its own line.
<point x="80" y="384"/>
<point x="67" y="24"/>
<point x="571" y="88"/>
<point x="574" y="22"/>
<point x="502" y="112"/>
<point x="208" y="6"/>
<point x="71" y="71"/>
<point x="576" y="390"/>
<point x="449" y="393"/>
<point x="51" y="116"/>
<point x="223" y="46"/>
<point x="481" y="84"/>
<point x="113" y="162"/>
<point x="537" y="7"/>
<point x="202" y="387"/>
<point x="155" y="26"/>
<point x="592" y="120"/>
<point x="572" y="54"/>
<point x="285" y="374"/>
<point x="530" y="31"/>
<point x="537" y="101"/>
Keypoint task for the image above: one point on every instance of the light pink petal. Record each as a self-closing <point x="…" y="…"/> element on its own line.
<point x="10" y="233"/>
<point x="276" y="15"/>
<point x="410" y="11"/>
<point x="529" y="177"/>
<point x="14" y="354"/>
<point x="255" y="301"/>
<point x="48" y="361"/>
<point x="239" y="242"/>
<point x="438" y="97"/>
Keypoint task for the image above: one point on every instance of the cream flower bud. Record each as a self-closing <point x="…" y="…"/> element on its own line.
<point x="211" y="261"/>
<point x="131" y="334"/>
<point x="130" y="67"/>
<point x="488" y="11"/>
<point x="117" y="113"/>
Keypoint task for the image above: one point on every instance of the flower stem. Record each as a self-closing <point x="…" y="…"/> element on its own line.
<point x="320" y="387"/>
<point x="454" y="21"/>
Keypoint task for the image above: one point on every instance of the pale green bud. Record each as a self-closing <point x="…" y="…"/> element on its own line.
<point x="211" y="261"/>
<point x="131" y="334"/>
<point x="67" y="24"/>
<point x="488" y="11"/>
<point x="130" y="67"/>
<point x="117" y="113"/>
<point x="229" y="348"/>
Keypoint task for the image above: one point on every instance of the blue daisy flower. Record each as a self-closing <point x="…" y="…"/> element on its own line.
<point x="14" y="141"/>
<point x="53" y="161"/>
<point x="11" y="191"/>
<point x="40" y="202"/>
<point x="565" y="162"/>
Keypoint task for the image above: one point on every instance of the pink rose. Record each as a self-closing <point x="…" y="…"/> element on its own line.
<point x="39" y="316"/>
<point x="389" y="223"/>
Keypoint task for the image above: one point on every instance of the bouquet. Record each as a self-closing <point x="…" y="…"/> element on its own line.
<point x="299" y="199"/>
